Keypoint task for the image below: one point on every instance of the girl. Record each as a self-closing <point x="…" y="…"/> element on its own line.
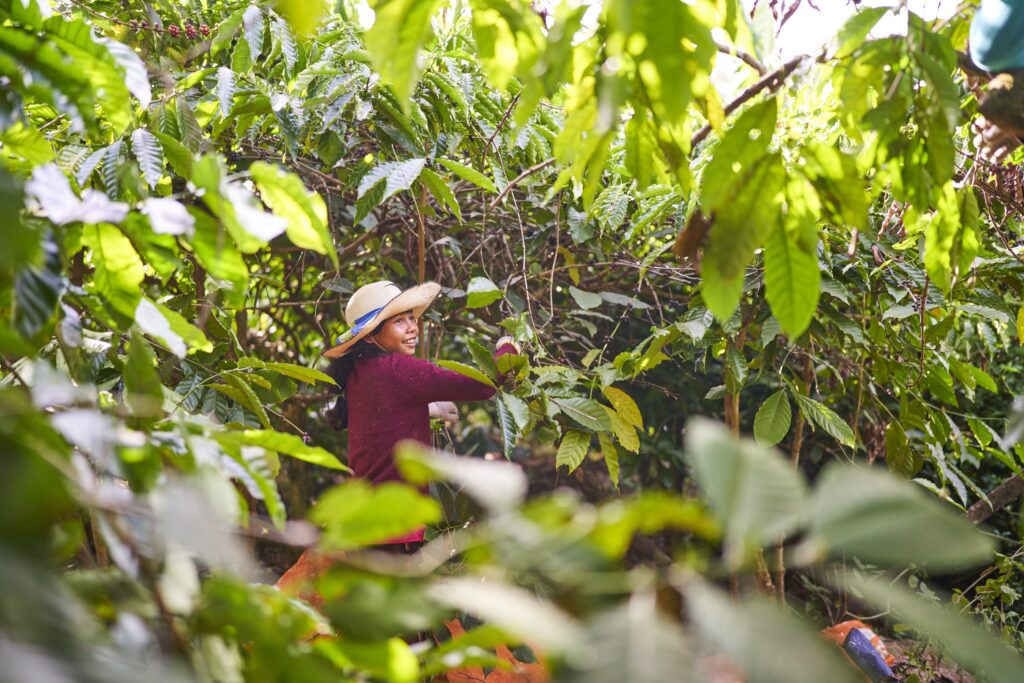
<point x="387" y="394"/>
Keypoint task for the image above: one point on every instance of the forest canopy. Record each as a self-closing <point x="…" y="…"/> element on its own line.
<point x="770" y="314"/>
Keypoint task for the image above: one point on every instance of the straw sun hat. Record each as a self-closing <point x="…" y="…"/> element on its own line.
<point x="377" y="301"/>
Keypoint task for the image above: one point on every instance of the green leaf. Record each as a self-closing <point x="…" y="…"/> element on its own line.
<point x="624" y="406"/>
<point x="279" y="442"/>
<point x="400" y="29"/>
<point x="136" y="77"/>
<point x="356" y="514"/>
<point x="825" y="418"/>
<point x="441" y="192"/>
<point x="881" y="519"/>
<point x="244" y="395"/>
<point x="518" y="409"/>
<point x="585" y="412"/>
<point x="143" y="388"/>
<point x="254" y="25"/>
<point x="168" y="326"/>
<point x="229" y="28"/>
<point x="507" y="426"/>
<point x="739" y="631"/>
<point x="259" y="479"/>
<point x="900" y="458"/>
<point x="498" y="486"/>
<point x="623" y="431"/>
<point x="773" y="419"/>
<point x="756" y="495"/>
<point x="572" y="450"/>
<point x="299" y="372"/>
<point x="482" y="357"/>
<point x="398" y="176"/>
<point x="217" y="253"/>
<point x="856" y="29"/>
<point x="611" y="457"/>
<point x="466" y="370"/>
<point x="481" y="292"/>
<point x="980" y="652"/>
<point x="225" y="90"/>
<point x="149" y="155"/>
<point x="305" y="211"/>
<point x="471" y="174"/>
<point x="792" y="282"/>
<point x="118" y="269"/>
<point x="585" y="300"/>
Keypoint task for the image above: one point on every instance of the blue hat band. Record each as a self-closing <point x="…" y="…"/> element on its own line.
<point x="361" y="323"/>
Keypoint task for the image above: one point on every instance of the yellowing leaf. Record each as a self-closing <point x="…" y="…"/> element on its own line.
<point x="625" y="406"/>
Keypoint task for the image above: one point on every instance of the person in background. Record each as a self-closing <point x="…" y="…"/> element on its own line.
<point x="997" y="46"/>
<point x="386" y="393"/>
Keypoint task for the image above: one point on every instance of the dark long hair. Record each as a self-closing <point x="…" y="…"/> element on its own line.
<point x="339" y="370"/>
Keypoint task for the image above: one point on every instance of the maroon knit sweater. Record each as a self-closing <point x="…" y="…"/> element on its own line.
<point x="387" y="399"/>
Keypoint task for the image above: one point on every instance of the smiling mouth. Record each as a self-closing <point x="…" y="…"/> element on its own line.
<point x="410" y="342"/>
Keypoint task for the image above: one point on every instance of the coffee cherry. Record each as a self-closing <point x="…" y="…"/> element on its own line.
<point x="204" y="29"/>
<point x="190" y="31"/>
<point x="174" y="30"/>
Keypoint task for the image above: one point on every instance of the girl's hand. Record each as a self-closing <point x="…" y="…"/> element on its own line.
<point x="446" y="411"/>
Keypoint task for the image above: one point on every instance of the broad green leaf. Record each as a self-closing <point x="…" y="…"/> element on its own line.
<point x="739" y="631"/>
<point x="585" y="411"/>
<point x="147" y="152"/>
<point x="825" y="418"/>
<point x="792" y="282"/>
<point x="280" y="442"/>
<point x="756" y="495"/>
<point x="249" y="225"/>
<point x="884" y="520"/>
<point x="498" y="486"/>
<point x="167" y="325"/>
<point x="118" y="268"/>
<point x="481" y="292"/>
<point x="624" y="406"/>
<point x="466" y="370"/>
<point x="254" y="25"/>
<point x="216" y="252"/>
<point x="611" y="457"/>
<point x="900" y="458"/>
<point x="585" y="300"/>
<point x="518" y="409"/>
<point x="512" y="609"/>
<point x="244" y="395"/>
<point x="773" y="419"/>
<point x="741" y="149"/>
<point x="356" y="514"/>
<point x="856" y="30"/>
<point x="225" y="89"/>
<point x="258" y="478"/>
<point x="482" y="357"/>
<point x="299" y="372"/>
<point x="467" y="173"/>
<point x="92" y="58"/>
<point x="143" y="388"/>
<point x="305" y="211"/>
<point x="397" y="176"/>
<point x="441" y="192"/>
<point x="400" y="29"/>
<point x="507" y="427"/>
<point x="720" y="293"/>
<point x="37" y="289"/>
<point x="509" y="36"/>
<point x="959" y="637"/>
<point x="572" y="450"/>
<point x="303" y="15"/>
<point x="51" y="196"/>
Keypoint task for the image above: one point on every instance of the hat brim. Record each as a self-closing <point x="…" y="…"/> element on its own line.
<point x="417" y="299"/>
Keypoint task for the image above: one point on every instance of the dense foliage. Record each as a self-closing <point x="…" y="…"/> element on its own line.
<point x="672" y="221"/>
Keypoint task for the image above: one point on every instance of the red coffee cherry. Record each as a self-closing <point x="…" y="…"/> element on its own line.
<point x="174" y="30"/>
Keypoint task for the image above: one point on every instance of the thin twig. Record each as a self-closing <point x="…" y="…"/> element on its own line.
<point x="770" y="82"/>
<point x="528" y="172"/>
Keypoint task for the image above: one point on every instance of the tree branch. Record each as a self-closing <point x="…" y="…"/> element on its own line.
<point x="528" y="172"/>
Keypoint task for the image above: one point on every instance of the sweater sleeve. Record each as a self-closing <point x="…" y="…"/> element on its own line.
<point x="424" y="382"/>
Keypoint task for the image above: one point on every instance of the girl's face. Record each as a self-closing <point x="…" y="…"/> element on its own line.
<point x="398" y="334"/>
